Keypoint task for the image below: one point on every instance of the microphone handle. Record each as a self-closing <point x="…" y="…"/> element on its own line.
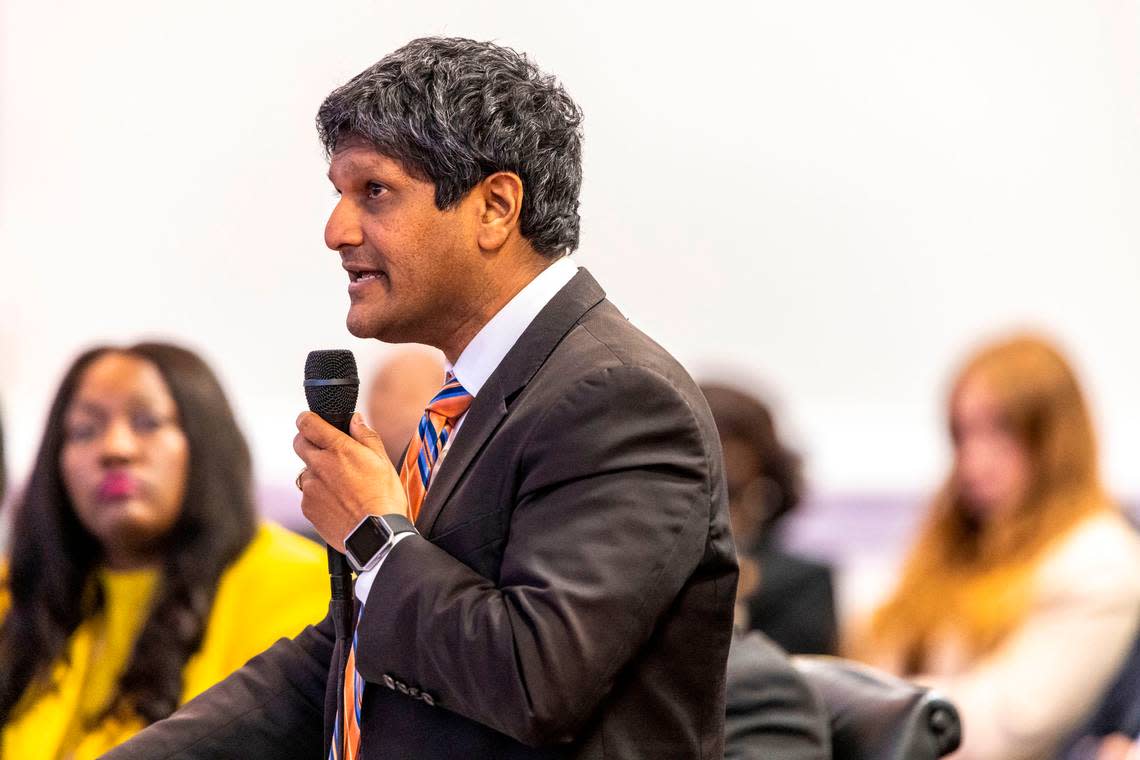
<point x="341" y="610"/>
<point x="340" y="580"/>
<point x="340" y="576"/>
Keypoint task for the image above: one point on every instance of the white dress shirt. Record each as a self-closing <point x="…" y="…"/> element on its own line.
<point x="484" y="354"/>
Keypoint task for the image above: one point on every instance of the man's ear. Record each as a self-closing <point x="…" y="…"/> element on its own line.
<point x="502" y="196"/>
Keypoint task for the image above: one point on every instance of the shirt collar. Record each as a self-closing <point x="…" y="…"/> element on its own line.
<point x="491" y="344"/>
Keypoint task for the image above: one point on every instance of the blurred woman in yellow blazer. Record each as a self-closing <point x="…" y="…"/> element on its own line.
<point x="137" y="574"/>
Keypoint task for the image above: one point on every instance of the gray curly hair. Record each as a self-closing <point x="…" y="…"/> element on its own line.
<point x="454" y="111"/>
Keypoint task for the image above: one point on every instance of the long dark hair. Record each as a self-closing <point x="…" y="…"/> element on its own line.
<point x="52" y="556"/>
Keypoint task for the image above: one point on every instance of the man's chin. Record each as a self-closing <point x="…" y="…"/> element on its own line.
<point x="357" y="328"/>
<point x="361" y="323"/>
<point x="370" y="326"/>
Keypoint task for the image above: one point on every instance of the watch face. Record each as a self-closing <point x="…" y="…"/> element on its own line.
<point x="366" y="540"/>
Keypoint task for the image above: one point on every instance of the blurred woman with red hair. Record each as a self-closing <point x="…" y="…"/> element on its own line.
<point x="1022" y="594"/>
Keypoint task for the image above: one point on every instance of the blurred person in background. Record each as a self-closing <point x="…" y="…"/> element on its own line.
<point x="401" y="389"/>
<point x="771" y="713"/>
<point x="3" y="467"/>
<point x="1022" y="595"/>
<point x="137" y="575"/>
<point x="794" y="602"/>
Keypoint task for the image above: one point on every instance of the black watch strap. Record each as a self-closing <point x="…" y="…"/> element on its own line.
<point x="399" y="524"/>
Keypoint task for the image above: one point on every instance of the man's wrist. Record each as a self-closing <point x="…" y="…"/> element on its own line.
<point x="365" y="580"/>
<point x="373" y="537"/>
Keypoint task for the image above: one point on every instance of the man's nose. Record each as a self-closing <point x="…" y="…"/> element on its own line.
<point x="343" y="227"/>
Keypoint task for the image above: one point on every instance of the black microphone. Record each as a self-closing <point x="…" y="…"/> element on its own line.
<point x="331" y="387"/>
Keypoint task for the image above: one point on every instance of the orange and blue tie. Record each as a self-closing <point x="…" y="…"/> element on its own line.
<point x="436" y="427"/>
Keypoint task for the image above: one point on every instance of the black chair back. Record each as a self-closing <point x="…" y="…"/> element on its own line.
<point x="875" y="716"/>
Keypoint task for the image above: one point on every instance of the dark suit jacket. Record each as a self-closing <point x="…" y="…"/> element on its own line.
<point x="795" y="604"/>
<point x="571" y="596"/>
<point x="772" y="712"/>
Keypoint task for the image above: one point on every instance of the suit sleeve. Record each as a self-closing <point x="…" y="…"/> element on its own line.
<point x="273" y="707"/>
<point x="611" y="519"/>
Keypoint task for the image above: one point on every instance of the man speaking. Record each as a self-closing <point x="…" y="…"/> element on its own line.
<point x="551" y="574"/>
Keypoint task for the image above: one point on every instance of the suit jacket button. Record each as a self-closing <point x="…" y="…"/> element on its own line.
<point x="389" y="681"/>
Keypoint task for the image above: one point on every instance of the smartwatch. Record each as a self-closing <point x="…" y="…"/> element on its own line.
<point x="372" y="539"/>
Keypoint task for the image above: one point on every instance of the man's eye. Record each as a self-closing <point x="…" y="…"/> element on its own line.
<point x="375" y="189"/>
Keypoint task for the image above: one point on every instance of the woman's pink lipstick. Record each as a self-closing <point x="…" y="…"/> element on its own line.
<point x="117" y="485"/>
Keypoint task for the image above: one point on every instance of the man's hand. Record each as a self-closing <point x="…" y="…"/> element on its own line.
<point x="345" y="478"/>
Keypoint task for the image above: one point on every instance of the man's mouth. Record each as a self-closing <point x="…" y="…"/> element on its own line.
<point x="365" y="275"/>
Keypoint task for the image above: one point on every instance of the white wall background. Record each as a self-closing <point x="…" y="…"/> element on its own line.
<point x="835" y="199"/>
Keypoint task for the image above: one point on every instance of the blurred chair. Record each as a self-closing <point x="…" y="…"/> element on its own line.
<point x="876" y="716"/>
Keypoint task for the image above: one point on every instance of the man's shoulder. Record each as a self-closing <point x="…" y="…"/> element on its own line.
<point x="604" y="365"/>
<point x="603" y="339"/>
<point x="606" y="324"/>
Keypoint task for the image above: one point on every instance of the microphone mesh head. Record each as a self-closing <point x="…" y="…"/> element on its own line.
<point x="334" y="364"/>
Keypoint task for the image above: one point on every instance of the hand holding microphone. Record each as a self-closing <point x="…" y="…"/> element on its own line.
<point x="347" y="474"/>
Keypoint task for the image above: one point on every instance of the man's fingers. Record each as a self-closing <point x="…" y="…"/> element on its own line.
<point x="363" y="434"/>
<point x="318" y="432"/>
<point x="305" y="449"/>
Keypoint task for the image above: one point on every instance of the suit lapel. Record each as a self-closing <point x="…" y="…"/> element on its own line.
<point x="516" y="369"/>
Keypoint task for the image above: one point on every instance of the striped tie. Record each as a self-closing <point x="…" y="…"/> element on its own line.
<point x="436" y="427"/>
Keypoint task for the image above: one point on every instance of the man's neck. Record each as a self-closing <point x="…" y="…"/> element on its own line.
<point x="498" y="295"/>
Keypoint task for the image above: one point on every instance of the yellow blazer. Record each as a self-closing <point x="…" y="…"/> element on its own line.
<point x="277" y="586"/>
